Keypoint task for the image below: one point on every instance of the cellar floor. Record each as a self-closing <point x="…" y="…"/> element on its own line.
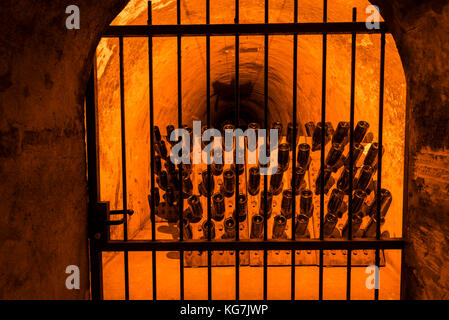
<point x="251" y="280"/>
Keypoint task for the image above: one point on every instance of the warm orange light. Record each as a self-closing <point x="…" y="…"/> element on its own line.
<point x="280" y="102"/>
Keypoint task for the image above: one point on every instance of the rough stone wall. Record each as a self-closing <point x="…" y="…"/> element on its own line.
<point x="420" y="29"/>
<point x="43" y="190"/>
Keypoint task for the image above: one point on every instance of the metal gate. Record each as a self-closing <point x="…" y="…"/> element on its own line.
<point x="99" y="213"/>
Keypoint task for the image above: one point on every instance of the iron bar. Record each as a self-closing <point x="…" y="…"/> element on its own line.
<point x="181" y="198"/>
<point x="209" y="253"/>
<point x="124" y="182"/>
<point x="265" y="177"/>
<point x="379" y="155"/>
<point x="351" y="158"/>
<point x="237" y="118"/>
<point x="293" y="185"/>
<point x="323" y="135"/>
<point x="187" y="30"/>
<point x="152" y="183"/>
<point x="220" y="245"/>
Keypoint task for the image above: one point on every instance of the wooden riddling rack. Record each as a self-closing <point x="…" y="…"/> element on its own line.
<point x="168" y="228"/>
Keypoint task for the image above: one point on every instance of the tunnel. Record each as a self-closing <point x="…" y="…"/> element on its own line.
<point x="251" y="95"/>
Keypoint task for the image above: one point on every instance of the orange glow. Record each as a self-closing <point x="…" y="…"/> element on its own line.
<point x="280" y="109"/>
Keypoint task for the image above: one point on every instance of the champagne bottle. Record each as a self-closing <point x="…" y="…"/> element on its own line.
<point x="303" y="157"/>
<point x="197" y="209"/>
<point x="242" y="208"/>
<point x="279" y="225"/>
<point x="299" y="179"/>
<point x="286" y="204"/>
<point x="276" y="182"/>
<point x="341" y="134"/>
<point x="228" y="183"/>
<point x="335" y="201"/>
<point x="254" y="181"/>
<point x="334" y="154"/>
<point x="302" y="222"/>
<point x="360" y="131"/>
<point x="330" y="221"/>
<point x="306" y="203"/>
<point x="283" y="156"/>
<point x="256" y="227"/>
<point x="206" y="229"/>
<point x="218" y="211"/>
<point x="269" y="203"/>
<point x="310" y="128"/>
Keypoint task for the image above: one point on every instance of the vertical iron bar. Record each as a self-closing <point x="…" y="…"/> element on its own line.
<point x="237" y="118"/>
<point x="379" y="156"/>
<point x="323" y="134"/>
<point x="96" y="267"/>
<point x="180" y="198"/>
<point x="295" y="101"/>
<point x="265" y="177"/>
<point x="151" y="104"/>
<point x="351" y="159"/>
<point x="209" y="253"/>
<point x="124" y="182"/>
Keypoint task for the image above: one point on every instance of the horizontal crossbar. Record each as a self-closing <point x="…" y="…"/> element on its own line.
<point x="242" y="29"/>
<point x="222" y="245"/>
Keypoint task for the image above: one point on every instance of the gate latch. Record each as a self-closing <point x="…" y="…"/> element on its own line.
<point x="99" y="219"/>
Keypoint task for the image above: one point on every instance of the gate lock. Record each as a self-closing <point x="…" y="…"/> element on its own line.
<point x="99" y="220"/>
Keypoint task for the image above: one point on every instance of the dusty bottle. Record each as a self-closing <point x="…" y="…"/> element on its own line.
<point x="358" y="199"/>
<point x="256" y="227"/>
<point x="218" y="211"/>
<point x="279" y="224"/>
<point x="269" y="204"/>
<point x="299" y="179"/>
<point x="286" y="204"/>
<point x="365" y="177"/>
<point x="341" y="134"/>
<point x="254" y="181"/>
<point x="372" y="155"/>
<point x="334" y="154"/>
<point x="328" y="181"/>
<point x="302" y="222"/>
<point x="197" y="209"/>
<point x="310" y="128"/>
<point x="283" y="156"/>
<point x="228" y="183"/>
<point x="229" y="228"/>
<point x="306" y="203"/>
<point x="335" y="201"/>
<point x="206" y="226"/>
<point x="330" y="221"/>
<point x="276" y="182"/>
<point x="303" y="156"/>
<point x="360" y="131"/>
<point x="242" y="208"/>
